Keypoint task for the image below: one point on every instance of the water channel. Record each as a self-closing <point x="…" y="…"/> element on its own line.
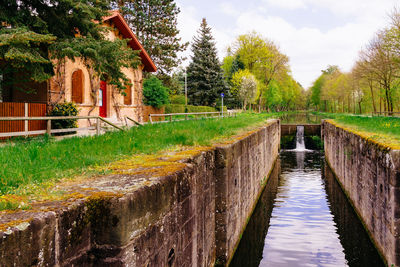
<point x="303" y="218"/>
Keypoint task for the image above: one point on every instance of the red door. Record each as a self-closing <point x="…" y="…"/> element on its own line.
<point x="103" y="99"/>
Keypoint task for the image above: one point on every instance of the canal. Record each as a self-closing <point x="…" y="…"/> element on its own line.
<point x="303" y="218"/>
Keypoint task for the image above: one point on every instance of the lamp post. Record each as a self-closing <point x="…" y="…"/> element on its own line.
<point x="222" y="104"/>
<point x="186" y="102"/>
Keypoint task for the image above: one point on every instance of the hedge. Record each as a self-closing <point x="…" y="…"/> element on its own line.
<point x="177" y="108"/>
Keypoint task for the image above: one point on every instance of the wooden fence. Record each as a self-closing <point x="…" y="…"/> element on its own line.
<point x="22" y="110"/>
<point x="48" y="128"/>
<point x="147" y="110"/>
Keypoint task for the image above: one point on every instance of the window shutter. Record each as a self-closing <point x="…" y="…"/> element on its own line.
<point x="77" y="87"/>
<point x="128" y="97"/>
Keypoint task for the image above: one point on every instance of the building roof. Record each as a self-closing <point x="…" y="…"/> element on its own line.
<point x="120" y="23"/>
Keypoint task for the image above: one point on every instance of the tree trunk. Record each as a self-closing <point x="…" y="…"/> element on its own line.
<point x="388" y="100"/>
<point x="372" y="96"/>
<point x="348" y="104"/>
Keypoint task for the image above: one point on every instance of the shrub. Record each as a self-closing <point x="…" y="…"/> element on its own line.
<point x="178" y="99"/>
<point x="177" y="108"/>
<point x="154" y="93"/>
<point x="64" y="109"/>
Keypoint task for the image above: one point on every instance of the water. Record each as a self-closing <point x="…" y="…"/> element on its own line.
<point x="304" y="219"/>
<point x="300" y="146"/>
<point x="301" y="118"/>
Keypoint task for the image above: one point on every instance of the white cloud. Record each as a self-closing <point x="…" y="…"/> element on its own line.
<point x="310" y="50"/>
<point x="290" y="4"/>
<point x="187" y="25"/>
<point x="228" y="9"/>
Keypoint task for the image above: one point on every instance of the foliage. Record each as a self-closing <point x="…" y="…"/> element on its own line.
<point x="232" y="64"/>
<point x="41" y="161"/>
<point x="205" y="77"/>
<point x="154" y="93"/>
<point x="178" y="99"/>
<point x="374" y="82"/>
<point x="175" y="83"/>
<point x="316" y="91"/>
<point x="155" y="24"/>
<point x="64" y="109"/>
<point x="277" y="90"/>
<point x="20" y="49"/>
<point x="36" y="35"/>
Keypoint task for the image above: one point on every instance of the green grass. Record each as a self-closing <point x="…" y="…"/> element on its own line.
<point x="385" y="130"/>
<point x="44" y="159"/>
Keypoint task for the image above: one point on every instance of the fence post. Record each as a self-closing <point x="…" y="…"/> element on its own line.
<point x="26" y="122"/>
<point x="48" y="131"/>
<point x="97" y="126"/>
<point x="170" y="118"/>
<point x="151" y="121"/>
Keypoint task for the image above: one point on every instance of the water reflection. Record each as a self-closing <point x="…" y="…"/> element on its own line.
<point x="304" y="228"/>
<point x="299" y="118"/>
<point x="358" y="248"/>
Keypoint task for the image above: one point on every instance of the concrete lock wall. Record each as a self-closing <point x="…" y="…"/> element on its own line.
<point x="309" y="129"/>
<point x="370" y="176"/>
<point x="190" y="217"/>
<point x="242" y="169"/>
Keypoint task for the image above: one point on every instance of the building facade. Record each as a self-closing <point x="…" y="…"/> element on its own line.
<point x="73" y="82"/>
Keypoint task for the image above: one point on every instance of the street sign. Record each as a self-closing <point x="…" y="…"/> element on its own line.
<point x="222" y="94"/>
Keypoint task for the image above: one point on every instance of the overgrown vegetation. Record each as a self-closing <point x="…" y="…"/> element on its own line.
<point x="44" y="159"/>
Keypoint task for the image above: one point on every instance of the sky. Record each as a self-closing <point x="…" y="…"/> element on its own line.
<point x="312" y="33"/>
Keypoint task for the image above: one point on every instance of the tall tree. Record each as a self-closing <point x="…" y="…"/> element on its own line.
<point x="205" y="75"/>
<point x="381" y="63"/>
<point x="155" y="24"/>
<point x="316" y="91"/>
<point x="262" y="57"/>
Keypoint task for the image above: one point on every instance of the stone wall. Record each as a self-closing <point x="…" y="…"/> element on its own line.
<point x="242" y="169"/>
<point x="370" y="176"/>
<point x="148" y="217"/>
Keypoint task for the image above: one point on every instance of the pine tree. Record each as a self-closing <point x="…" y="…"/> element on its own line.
<point x="155" y="24"/>
<point x="205" y="75"/>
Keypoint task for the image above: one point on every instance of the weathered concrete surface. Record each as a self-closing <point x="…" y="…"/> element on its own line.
<point x="242" y="169"/>
<point x="162" y="213"/>
<point x="370" y="176"/>
<point x="309" y="129"/>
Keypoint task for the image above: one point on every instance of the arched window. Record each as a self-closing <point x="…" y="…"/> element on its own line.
<point x="128" y="96"/>
<point x="77" y="87"/>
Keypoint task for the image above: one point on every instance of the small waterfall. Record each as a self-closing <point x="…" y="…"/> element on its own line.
<point x="300" y="146"/>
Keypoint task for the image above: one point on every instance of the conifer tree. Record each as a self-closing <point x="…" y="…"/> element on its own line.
<point x="155" y="24"/>
<point x="205" y="75"/>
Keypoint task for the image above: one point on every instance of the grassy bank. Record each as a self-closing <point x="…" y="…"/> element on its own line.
<point x="45" y="160"/>
<point x="384" y="130"/>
